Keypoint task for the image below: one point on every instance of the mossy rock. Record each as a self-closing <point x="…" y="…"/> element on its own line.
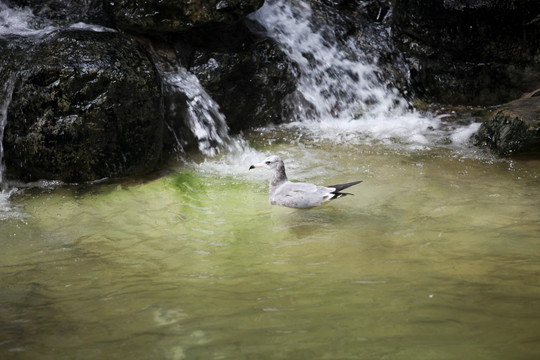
<point x="86" y="105"/>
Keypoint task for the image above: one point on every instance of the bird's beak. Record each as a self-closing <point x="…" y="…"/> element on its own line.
<point x="256" y="166"/>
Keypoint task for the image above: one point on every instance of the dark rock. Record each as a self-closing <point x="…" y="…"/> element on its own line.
<point x="177" y="16"/>
<point x="514" y="128"/>
<point x="470" y="51"/>
<point x="249" y="85"/>
<point x="86" y="105"/>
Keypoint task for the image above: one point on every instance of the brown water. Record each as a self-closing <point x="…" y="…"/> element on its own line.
<point x="435" y="257"/>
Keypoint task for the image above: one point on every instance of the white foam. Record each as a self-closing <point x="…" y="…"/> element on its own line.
<point x="463" y="134"/>
<point x="21" y="21"/>
<point x="7" y="210"/>
<point x="5" y="205"/>
<point x="91" y="27"/>
<point x="334" y="77"/>
<point x="234" y="164"/>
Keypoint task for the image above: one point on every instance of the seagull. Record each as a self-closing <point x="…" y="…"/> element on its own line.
<point x="297" y="194"/>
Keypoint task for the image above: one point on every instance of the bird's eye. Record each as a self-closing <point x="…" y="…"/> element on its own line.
<point x="268" y="163"/>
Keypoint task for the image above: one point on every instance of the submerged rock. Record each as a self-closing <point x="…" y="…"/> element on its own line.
<point x="86" y="105"/>
<point x="475" y="52"/>
<point x="514" y="128"/>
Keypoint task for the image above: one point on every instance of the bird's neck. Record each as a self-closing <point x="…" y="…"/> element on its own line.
<point x="279" y="176"/>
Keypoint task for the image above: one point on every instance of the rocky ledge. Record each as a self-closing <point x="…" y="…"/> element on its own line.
<point x="514" y="128"/>
<point x="470" y="52"/>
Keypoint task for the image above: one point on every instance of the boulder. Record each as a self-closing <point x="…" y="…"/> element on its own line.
<point x="470" y="52"/>
<point x="85" y="105"/>
<point x="513" y="128"/>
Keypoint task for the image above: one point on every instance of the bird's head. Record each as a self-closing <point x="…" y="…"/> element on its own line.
<point x="271" y="163"/>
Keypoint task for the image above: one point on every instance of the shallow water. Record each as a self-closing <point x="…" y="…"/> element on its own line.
<point x="435" y="257"/>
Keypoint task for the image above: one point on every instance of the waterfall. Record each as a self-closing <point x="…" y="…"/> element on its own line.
<point x="333" y="76"/>
<point x="6" y="210"/>
<point x="7" y="94"/>
<point x="348" y="102"/>
<point x="203" y="116"/>
<point x="22" y="22"/>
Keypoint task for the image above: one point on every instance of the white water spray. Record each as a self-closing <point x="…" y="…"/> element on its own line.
<point x="351" y="103"/>
<point x="22" y="22"/>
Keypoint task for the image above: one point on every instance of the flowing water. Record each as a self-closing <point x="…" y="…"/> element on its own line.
<point x="335" y="77"/>
<point x="6" y="209"/>
<point x="22" y="22"/>
<point x="6" y="94"/>
<point x="436" y="256"/>
<point x="203" y="116"/>
<point x="345" y="96"/>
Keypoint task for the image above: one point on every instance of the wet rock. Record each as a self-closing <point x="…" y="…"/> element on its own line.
<point x="177" y="16"/>
<point x="86" y="105"/>
<point x="470" y="51"/>
<point x="514" y="128"/>
<point x="249" y="84"/>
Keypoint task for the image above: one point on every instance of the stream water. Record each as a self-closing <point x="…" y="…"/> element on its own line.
<point x="436" y="256"/>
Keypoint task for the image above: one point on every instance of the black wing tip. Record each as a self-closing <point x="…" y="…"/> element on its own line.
<point x="340" y="187"/>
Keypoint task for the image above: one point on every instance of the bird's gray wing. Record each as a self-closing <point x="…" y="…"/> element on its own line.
<point x="300" y="195"/>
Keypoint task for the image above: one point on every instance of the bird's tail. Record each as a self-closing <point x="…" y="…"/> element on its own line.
<point x="337" y="193"/>
<point x="340" y="187"/>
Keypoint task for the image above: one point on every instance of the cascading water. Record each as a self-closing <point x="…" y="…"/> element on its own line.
<point x="347" y="100"/>
<point x="7" y="94"/>
<point x="22" y="22"/>
<point x="203" y="116"/>
<point x="333" y="78"/>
